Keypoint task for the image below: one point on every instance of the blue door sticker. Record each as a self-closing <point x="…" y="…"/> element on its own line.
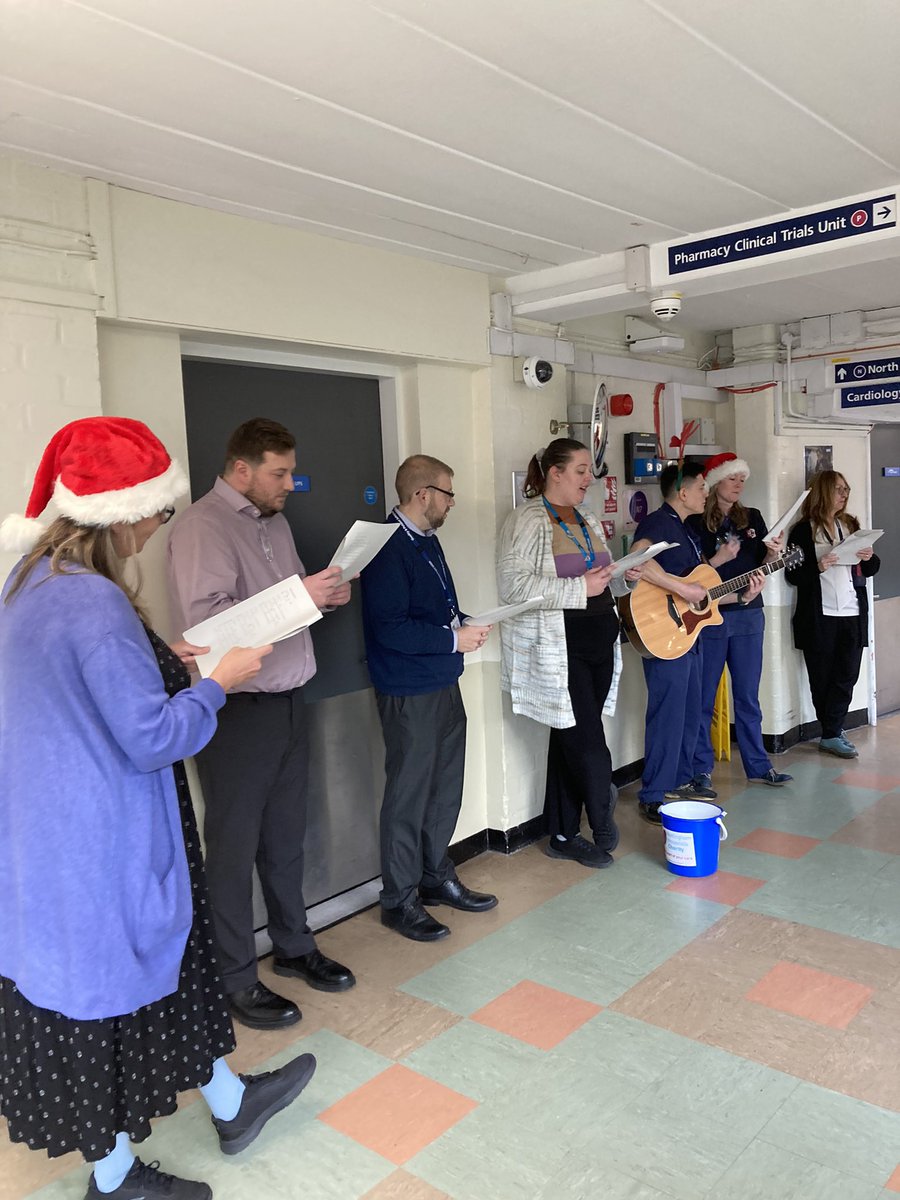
<point x="370" y="495"/>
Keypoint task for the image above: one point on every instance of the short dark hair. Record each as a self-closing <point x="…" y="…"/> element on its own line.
<point x="251" y="442"/>
<point x="418" y="471"/>
<point x="669" y="482"/>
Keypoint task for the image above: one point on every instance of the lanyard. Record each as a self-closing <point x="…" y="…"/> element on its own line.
<point x="690" y="534"/>
<point x="440" y="570"/>
<point x="587" y="554"/>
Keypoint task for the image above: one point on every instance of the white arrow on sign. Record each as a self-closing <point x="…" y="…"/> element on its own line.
<point x="842" y="373"/>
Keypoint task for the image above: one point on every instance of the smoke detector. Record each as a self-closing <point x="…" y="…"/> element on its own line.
<point x="664" y="308"/>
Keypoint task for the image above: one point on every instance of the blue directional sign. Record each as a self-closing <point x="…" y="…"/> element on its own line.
<point x="867" y="394"/>
<point x="301" y="483"/>
<point x="862" y="371"/>
<point x="792" y="233"/>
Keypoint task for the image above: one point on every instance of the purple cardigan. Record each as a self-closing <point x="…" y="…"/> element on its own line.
<point x="96" y="903"/>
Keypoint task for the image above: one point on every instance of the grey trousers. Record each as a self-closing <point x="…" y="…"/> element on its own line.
<point x="425" y="757"/>
<point x="254" y="776"/>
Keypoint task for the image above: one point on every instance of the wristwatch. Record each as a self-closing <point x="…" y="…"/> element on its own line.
<point x="741" y="602"/>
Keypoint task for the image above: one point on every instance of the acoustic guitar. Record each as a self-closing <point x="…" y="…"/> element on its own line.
<point x="660" y="624"/>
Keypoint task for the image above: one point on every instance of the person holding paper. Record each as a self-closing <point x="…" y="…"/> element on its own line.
<point x="231" y="544"/>
<point x="733" y="539"/>
<point x="415" y="643"/>
<point x="106" y="954"/>
<point x="831" y="619"/>
<point x="558" y="659"/>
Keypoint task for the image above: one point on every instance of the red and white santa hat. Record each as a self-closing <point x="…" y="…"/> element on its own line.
<point x="720" y="466"/>
<point x="99" y="471"/>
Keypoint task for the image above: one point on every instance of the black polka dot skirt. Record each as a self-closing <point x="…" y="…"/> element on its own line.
<point x="73" y="1085"/>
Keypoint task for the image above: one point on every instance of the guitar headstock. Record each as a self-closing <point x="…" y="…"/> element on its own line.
<point x="792" y="557"/>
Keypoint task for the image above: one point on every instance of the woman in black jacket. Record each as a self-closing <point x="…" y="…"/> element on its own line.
<point x="831" y="620"/>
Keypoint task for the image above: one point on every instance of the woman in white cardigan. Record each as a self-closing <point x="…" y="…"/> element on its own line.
<point x="557" y="659"/>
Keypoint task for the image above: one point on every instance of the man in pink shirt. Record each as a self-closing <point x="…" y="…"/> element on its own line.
<point x="230" y="544"/>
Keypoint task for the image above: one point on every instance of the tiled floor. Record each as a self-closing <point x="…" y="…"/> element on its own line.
<point x="613" y="1035"/>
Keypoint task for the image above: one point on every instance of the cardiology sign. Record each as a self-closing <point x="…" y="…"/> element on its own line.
<point x="793" y="233"/>
<point x="870" y="394"/>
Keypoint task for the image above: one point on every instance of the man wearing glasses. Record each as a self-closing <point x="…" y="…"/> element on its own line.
<point x="415" y="642"/>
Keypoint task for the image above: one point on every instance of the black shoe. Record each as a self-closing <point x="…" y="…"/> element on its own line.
<point x="773" y="778"/>
<point x="264" y="1096"/>
<point x="412" y="921"/>
<point x="455" y="893"/>
<point x="145" y="1181"/>
<point x="607" y="837"/>
<point x="259" y="1008"/>
<point x="321" y="973"/>
<point x="684" y="792"/>
<point x="701" y="786"/>
<point x="650" y="812"/>
<point x="580" y="850"/>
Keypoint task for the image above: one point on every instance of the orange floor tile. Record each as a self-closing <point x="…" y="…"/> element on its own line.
<point x="397" y="1113"/>
<point x="813" y="995"/>
<point x="536" y="1014"/>
<point x="724" y="887"/>
<point x="771" y="841"/>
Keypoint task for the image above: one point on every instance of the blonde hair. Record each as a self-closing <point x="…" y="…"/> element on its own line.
<point x="87" y="548"/>
<point x="713" y="515"/>
<point x="418" y="471"/>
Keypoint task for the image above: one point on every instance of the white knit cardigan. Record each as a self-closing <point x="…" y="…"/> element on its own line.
<point x="534" y="667"/>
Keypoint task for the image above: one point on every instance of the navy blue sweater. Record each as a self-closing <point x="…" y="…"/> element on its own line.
<point x="407" y="615"/>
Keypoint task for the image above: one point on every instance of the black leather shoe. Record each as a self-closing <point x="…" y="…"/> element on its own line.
<point x="145" y="1182"/>
<point x="321" y="973"/>
<point x="264" y="1096"/>
<point x="455" y="893"/>
<point x="259" y="1008"/>
<point x="412" y="921"/>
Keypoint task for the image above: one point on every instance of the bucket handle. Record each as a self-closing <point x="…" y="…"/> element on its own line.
<point x="723" y="832"/>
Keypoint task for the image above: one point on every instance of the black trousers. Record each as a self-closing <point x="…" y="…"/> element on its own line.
<point x="254" y="774"/>
<point x="425" y="759"/>
<point x="579" y="766"/>
<point x="833" y="669"/>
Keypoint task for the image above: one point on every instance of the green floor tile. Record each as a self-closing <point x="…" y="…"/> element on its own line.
<point x="765" y="1172"/>
<point x="839" y="1132"/>
<point x="476" y="1061"/>
<point x="624" y="1047"/>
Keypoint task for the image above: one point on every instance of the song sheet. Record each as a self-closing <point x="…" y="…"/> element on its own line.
<point x="271" y="615"/>
<point x="846" y="550"/>
<point x="504" y="612"/>
<point x="361" y="543"/>
<point x="638" y="557"/>
<point x="784" y="521"/>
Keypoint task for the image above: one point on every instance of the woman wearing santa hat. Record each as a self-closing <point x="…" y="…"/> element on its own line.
<point x="110" y="1001"/>
<point x="733" y="540"/>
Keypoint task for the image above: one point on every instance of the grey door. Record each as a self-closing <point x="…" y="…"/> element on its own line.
<point x="884" y="449"/>
<point x="336" y="420"/>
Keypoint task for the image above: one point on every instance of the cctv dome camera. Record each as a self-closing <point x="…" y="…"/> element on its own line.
<point x="664" y="308"/>
<point x="537" y="372"/>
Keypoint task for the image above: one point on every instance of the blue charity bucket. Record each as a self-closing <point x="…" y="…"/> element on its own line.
<point x="693" y="831"/>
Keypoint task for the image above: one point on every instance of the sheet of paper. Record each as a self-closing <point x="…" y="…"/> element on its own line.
<point x="621" y="565"/>
<point x="271" y="615"/>
<point x="504" y="612"/>
<point x="361" y="543"/>
<point x="784" y="521"/>
<point x="846" y="550"/>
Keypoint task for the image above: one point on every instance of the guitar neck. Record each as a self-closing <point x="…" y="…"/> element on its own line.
<point x="741" y="581"/>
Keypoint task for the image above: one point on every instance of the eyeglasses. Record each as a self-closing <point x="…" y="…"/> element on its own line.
<point x="434" y="487"/>
<point x="166" y="514"/>
<point x="842" y="491"/>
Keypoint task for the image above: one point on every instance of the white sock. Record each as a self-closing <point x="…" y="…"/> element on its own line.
<point x="224" y="1091"/>
<point x="109" y="1172"/>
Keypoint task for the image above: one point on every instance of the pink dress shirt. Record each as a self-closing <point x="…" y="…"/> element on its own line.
<point x="222" y="551"/>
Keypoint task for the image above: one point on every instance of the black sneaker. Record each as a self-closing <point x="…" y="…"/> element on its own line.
<point x="580" y="850"/>
<point x="650" y="812"/>
<point x="701" y="786"/>
<point x="607" y="837"/>
<point x="772" y="778"/>
<point x="264" y="1096"/>
<point x="145" y="1181"/>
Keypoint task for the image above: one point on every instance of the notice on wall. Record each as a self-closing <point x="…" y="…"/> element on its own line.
<point x="609" y="530"/>
<point x="610" y="494"/>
